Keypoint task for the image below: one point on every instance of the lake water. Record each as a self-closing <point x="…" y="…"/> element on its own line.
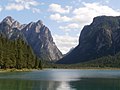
<point x="61" y="79"/>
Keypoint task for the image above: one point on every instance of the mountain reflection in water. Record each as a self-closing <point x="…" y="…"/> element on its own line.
<point x="61" y="80"/>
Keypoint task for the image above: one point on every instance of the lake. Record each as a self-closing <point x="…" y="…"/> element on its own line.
<point x="61" y="79"/>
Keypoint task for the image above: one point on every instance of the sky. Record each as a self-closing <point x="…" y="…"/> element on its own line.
<point x="64" y="18"/>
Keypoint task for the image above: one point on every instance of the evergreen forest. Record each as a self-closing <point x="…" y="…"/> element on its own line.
<point x="17" y="54"/>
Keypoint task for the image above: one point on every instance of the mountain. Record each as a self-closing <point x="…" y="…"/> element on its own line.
<point x="100" y="38"/>
<point x="36" y="34"/>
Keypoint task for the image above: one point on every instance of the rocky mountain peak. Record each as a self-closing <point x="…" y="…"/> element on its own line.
<point x="36" y="34"/>
<point x="100" y="38"/>
<point x="8" y="21"/>
<point x="39" y="22"/>
<point x="40" y="39"/>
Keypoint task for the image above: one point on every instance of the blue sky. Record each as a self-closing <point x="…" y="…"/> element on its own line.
<point x="64" y="18"/>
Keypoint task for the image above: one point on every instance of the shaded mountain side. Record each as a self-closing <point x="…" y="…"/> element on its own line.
<point x="100" y="38"/>
<point x="36" y="34"/>
<point x="106" y="62"/>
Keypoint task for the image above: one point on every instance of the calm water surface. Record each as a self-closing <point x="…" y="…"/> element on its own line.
<point x="61" y="79"/>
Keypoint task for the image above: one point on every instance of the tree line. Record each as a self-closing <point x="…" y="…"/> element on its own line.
<point x="17" y="54"/>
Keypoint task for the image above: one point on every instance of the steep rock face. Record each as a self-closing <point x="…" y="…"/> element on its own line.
<point x="40" y="39"/>
<point x="37" y="35"/>
<point x="10" y="28"/>
<point x="100" y="38"/>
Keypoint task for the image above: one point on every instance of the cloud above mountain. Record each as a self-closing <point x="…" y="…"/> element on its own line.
<point x="20" y="5"/>
<point x="59" y="9"/>
<point x="83" y="15"/>
<point x="75" y="19"/>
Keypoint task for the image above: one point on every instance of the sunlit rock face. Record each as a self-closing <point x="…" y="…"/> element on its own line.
<point x="100" y="38"/>
<point x="36" y="34"/>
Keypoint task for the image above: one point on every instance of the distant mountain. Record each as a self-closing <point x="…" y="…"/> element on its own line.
<point x="36" y="34"/>
<point x="100" y="38"/>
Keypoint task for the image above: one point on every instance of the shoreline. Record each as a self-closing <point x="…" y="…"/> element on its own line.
<point x="17" y="70"/>
<point x="29" y="70"/>
<point x="85" y="68"/>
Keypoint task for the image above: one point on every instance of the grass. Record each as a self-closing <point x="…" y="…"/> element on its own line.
<point x="17" y="70"/>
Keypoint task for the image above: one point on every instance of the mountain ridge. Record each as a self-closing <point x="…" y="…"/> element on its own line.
<point x="100" y="38"/>
<point x="36" y="34"/>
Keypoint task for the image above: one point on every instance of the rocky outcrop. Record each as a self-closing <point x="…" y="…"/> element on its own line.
<point x="10" y="28"/>
<point x="36" y="34"/>
<point x="100" y="38"/>
<point x="40" y="39"/>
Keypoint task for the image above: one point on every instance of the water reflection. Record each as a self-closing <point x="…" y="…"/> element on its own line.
<point x="33" y="85"/>
<point x="65" y="86"/>
<point x="61" y="80"/>
<point x="85" y="84"/>
<point x="96" y="84"/>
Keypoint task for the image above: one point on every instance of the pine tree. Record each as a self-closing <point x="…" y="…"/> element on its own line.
<point x="16" y="54"/>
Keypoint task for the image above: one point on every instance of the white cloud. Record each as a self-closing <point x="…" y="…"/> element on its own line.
<point x="57" y="17"/>
<point x="58" y="9"/>
<point x="69" y="8"/>
<point x="22" y="5"/>
<point x="1" y="8"/>
<point x="86" y="14"/>
<point x="65" y="42"/>
<point x="28" y="3"/>
<point x="42" y="3"/>
<point x="14" y="6"/>
<point x="107" y="1"/>
<point x="69" y="27"/>
<point x="95" y="9"/>
<point x="36" y="10"/>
